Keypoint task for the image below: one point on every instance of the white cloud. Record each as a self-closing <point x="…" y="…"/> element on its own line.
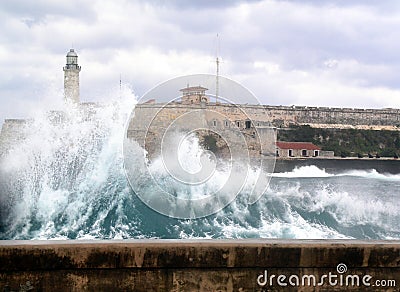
<point x="143" y="68"/>
<point x="344" y="53"/>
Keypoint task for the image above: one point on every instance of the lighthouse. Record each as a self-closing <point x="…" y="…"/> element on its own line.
<point x="71" y="77"/>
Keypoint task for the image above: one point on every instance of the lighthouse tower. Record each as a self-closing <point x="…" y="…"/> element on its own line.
<point x="71" y="77"/>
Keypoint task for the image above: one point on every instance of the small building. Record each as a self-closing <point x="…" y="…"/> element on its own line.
<point x="297" y="149"/>
<point x="194" y="94"/>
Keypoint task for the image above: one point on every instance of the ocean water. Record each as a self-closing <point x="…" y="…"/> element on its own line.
<point x="67" y="181"/>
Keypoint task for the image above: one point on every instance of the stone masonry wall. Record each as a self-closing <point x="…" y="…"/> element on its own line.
<point x="200" y="265"/>
<point x="283" y="116"/>
<point x="12" y="132"/>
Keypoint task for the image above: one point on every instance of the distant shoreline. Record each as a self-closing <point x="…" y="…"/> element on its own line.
<point x="338" y="158"/>
<point x="337" y="165"/>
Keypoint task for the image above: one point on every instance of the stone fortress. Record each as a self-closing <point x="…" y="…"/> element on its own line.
<point x="258" y="116"/>
<point x="221" y="123"/>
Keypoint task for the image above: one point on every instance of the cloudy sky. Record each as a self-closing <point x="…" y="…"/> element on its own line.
<point x="325" y="53"/>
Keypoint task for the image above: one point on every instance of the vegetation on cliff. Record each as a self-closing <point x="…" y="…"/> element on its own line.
<point x="346" y="142"/>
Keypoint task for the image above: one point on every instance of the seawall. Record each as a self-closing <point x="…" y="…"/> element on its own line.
<point x="200" y="265"/>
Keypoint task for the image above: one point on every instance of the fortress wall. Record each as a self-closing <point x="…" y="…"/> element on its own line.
<point x="152" y="120"/>
<point x="346" y="116"/>
<point x="263" y="115"/>
<point x="12" y="131"/>
<point x="286" y="115"/>
<point x="160" y="116"/>
<point x="13" y="128"/>
<point x="199" y="265"/>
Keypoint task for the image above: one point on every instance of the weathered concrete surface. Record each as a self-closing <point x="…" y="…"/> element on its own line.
<point x="195" y="265"/>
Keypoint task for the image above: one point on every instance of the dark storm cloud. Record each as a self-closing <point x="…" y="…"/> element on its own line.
<point x="288" y="52"/>
<point x="303" y="38"/>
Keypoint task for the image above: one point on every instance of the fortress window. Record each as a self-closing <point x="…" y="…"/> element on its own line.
<point x="214" y="123"/>
<point x="248" y="124"/>
<point x="226" y="124"/>
<point x="238" y="124"/>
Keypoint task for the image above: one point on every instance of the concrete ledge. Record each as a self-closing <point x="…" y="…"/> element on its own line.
<point x="192" y="265"/>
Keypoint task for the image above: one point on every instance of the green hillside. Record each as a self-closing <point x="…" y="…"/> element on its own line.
<point x="345" y="142"/>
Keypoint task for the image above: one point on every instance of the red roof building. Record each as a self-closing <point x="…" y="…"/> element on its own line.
<point x="297" y="149"/>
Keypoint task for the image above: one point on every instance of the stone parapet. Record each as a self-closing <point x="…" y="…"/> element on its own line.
<point x="199" y="265"/>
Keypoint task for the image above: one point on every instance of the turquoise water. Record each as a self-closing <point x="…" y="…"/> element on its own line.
<point x="67" y="181"/>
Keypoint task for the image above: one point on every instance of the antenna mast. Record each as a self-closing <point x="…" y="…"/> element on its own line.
<point x="120" y="85"/>
<point x="217" y="76"/>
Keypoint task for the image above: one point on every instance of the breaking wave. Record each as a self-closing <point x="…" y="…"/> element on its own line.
<point x="303" y="172"/>
<point x="312" y="171"/>
<point x="66" y="180"/>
